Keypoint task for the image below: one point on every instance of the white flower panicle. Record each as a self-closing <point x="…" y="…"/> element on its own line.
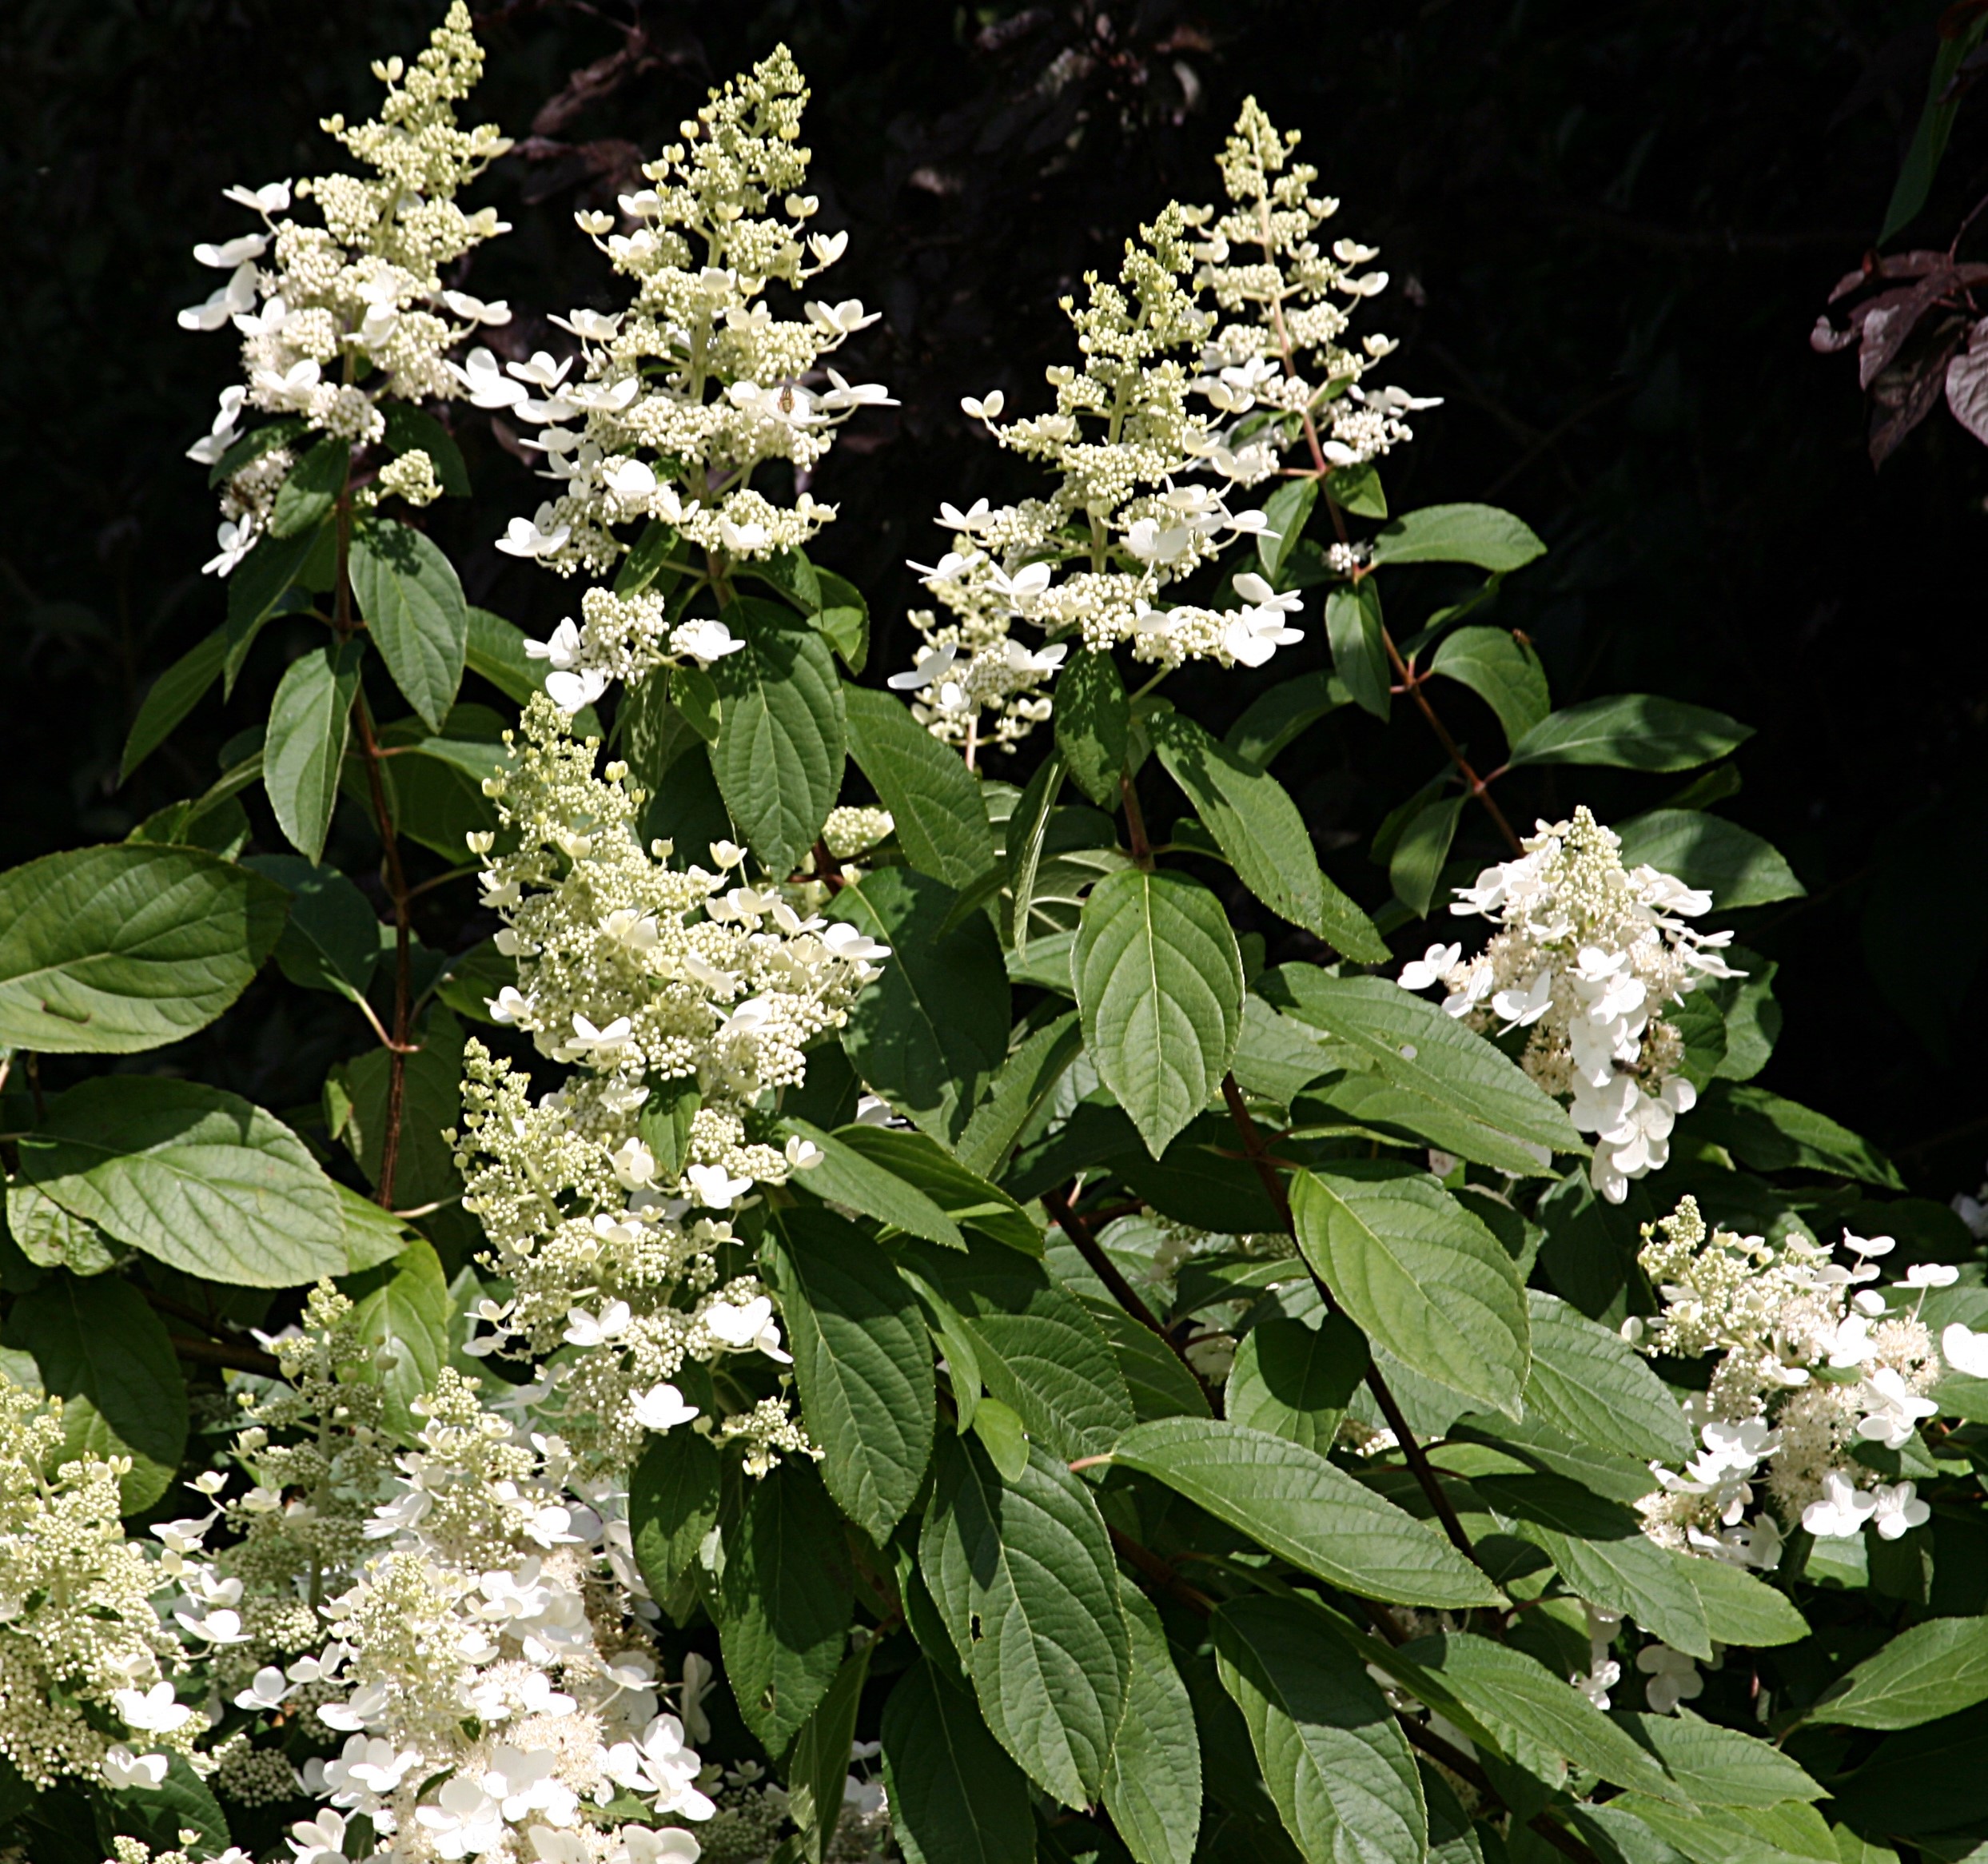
<point x="680" y="399"/>
<point x="678" y="998"/>
<point x="337" y="318"/>
<point x="1588" y="956"/>
<point x="1814" y="1362"/>
<point x="1125" y="520"/>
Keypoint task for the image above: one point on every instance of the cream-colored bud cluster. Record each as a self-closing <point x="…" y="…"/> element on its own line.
<point x="80" y="1640"/>
<point x="1587" y="956"/>
<point x="1814" y="1362"/>
<point x="353" y="313"/>
<point x="674" y="995"/>
<point x="1125" y="521"/>
<point x="696" y="387"/>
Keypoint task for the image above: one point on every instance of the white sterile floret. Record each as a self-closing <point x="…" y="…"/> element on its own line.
<point x="1809" y="1372"/>
<point x="337" y="318"/>
<point x="1589" y="955"/>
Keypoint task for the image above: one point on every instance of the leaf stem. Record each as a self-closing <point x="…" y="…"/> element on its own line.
<point x="1476" y="786"/>
<point x="1135" y="823"/>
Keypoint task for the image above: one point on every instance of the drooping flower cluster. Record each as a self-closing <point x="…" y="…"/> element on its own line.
<point x="682" y="399"/>
<point x="1587" y="955"/>
<point x="1125" y="519"/>
<point x="1814" y="1362"/>
<point x="353" y="313"/>
<point x="679" y="997"/>
<point x="81" y="1642"/>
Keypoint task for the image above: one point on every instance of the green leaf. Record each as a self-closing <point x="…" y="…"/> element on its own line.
<point x="373" y="1235"/>
<point x="778" y="754"/>
<point x="415" y="610"/>
<point x="1717" y="1765"/>
<point x="181" y="1802"/>
<point x="844" y="617"/>
<point x="260" y="581"/>
<point x="1432" y="1058"/>
<point x="1024" y="1082"/>
<point x="105" y="1354"/>
<point x="1937" y="1668"/>
<point x="1275" y="718"/>
<point x="405" y="1312"/>
<point x="1503" y="670"/>
<point x="1025" y="1576"/>
<point x="1152" y="1783"/>
<point x="1790" y="1833"/>
<point x="1740" y="1609"/>
<point x="928" y="1034"/>
<point x="1304" y="1510"/>
<point x="1355" y="631"/>
<point x="1160" y="1385"/>
<point x="197" y="1177"/>
<point x="1093" y="726"/>
<point x="1632" y="731"/>
<point x="411" y="429"/>
<point x="1002" y="1436"/>
<point x="785" y="1601"/>
<point x="665" y="1124"/>
<point x="170" y="698"/>
<point x="646" y="557"/>
<point x="435" y="786"/>
<point x="111" y="950"/>
<point x="862" y="1363"/>
<point x="819" y="1767"/>
<point x="955" y="1797"/>
<point x="968" y="1200"/>
<point x="1332" y="1755"/>
<point x="1770" y="1134"/>
<point x="673" y="1497"/>
<point x="1736" y="866"/>
<point x="430" y="1103"/>
<point x="1294" y="1380"/>
<point x="1285" y="514"/>
<point x="1416" y="864"/>
<point x="1038" y="1350"/>
<point x="1159" y="984"/>
<point x="789" y="571"/>
<point x="305" y="500"/>
<point x="1027" y="830"/>
<point x="1526" y="1707"/>
<point x="1589" y="1383"/>
<point x="846" y="1177"/>
<point x="331" y="941"/>
<point x="305" y="747"/>
<point x="253" y="445"/>
<point x="1258" y="827"/>
<point x="51" y="1237"/>
<point x="1482" y="534"/>
<point x="1357" y="489"/>
<point x="1421" y="1274"/>
<point x="496" y="651"/>
<point x="1603" y="1554"/>
<point x="695" y="694"/>
<point x="1935" y="125"/>
<point x="933" y="797"/>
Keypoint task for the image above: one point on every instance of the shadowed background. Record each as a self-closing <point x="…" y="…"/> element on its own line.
<point x="1610" y="230"/>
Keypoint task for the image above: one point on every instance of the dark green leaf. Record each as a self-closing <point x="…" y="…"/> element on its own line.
<point x="673" y="1496"/>
<point x="1093" y="726"/>
<point x="1003" y="1436"/>
<point x="665" y="1123"/>
<point x="968" y="1200"/>
<point x="172" y="696"/>
<point x="1503" y="670"/>
<point x="112" y="950"/>
<point x="1935" y="125"/>
<point x="1416" y="864"/>
<point x="413" y="604"/>
<point x="260" y="581"/>
<point x="1589" y="1383"/>
<point x="1740" y="1609"/>
<point x="849" y="1178"/>
<point x="955" y="1796"/>
<point x="1935" y="1669"/>
<point x="411" y="429"/>
<point x="1025" y="1576"/>
<point x="818" y="1767"/>
<point x="1275" y="718"/>
<point x="1159" y="984"/>
<point x="105" y="1354"/>
<point x="1355" y="631"/>
<point x="696" y="695"/>
<point x="1482" y="534"/>
<point x="928" y="1034"/>
<point x="1357" y="489"/>
<point x="785" y="1603"/>
<point x="1771" y="1134"/>
<point x="1026" y="1080"/>
<point x="1295" y="1380"/>
<point x="933" y="797"/>
<point x="1285" y="514"/>
<point x="863" y="1362"/>
<point x="1304" y="1510"/>
<point x="1633" y="731"/>
<point x="197" y="1177"/>
<point x="425" y="1171"/>
<point x="844" y="617"/>
<point x="332" y="939"/>
<point x="1153" y="1784"/>
<point x="1027" y="828"/>
<point x="1160" y="1385"/>
<point x="1421" y="1274"/>
<point x="1332" y="1755"/>
<point x="1736" y="867"/>
<point x="1720" y="1767"/>
<point x="645" y="559"/>
<point x="305" y="748"/>
<point x="305" y="500"/>
<point x="405" y="1314"/>
<point x="779" y="755"/>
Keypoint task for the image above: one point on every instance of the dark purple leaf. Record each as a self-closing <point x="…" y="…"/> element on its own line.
<point x="1904" y="395"/>
<point x="1967" y="385"/>
<point x="1890" y="320"/>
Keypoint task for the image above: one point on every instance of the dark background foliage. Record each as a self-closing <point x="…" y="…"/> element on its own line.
<point x="1610" y="230"/>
